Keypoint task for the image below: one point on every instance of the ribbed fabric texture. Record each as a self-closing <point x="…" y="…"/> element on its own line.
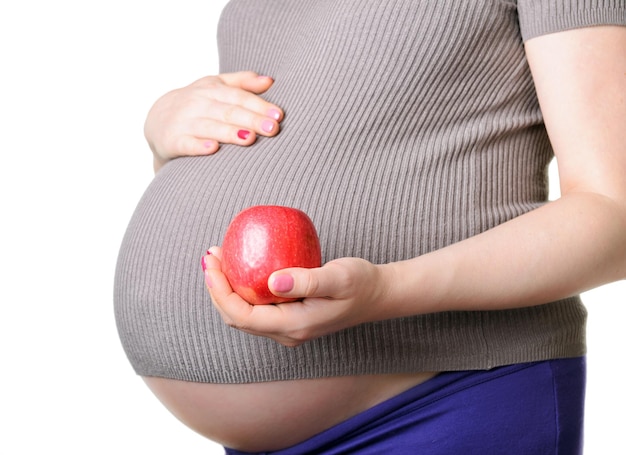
<point x="556" y="15"/>
<point x="409" y="125"/>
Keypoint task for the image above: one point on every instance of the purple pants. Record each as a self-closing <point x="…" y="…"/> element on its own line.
<point x="527" y="409"/>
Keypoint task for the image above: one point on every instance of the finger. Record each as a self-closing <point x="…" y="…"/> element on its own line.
<point x="236" y="96"/>
<point x="290" y="324"/>
<point x="260" y="320"/>
<point x="212" y="261"/>
<point x="207" y="130"/>
<point x="247" y="80"/>
<point x="239" y="117"/>
<point x="230" y="305"/>
<point x="215" y="251"/>
<point x="327" y="281"/>
<point x="195" y="146"/>
<point x="240" y="98"/>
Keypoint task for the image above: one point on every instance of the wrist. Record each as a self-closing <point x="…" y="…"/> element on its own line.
<point x="413" y="287"/>
<point x="396" y="295"/>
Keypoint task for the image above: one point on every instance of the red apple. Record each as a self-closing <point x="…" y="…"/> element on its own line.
<point x="263" y="239"/>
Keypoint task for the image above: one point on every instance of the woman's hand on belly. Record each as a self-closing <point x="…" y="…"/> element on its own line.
<point x="195" y="119"/>
<point x="341" y="294"/>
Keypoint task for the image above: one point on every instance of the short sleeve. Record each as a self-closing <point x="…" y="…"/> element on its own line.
<point x="540" y="17"/>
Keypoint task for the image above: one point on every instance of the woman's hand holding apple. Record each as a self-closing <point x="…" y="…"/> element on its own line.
<point x="340" y="294"/>
<point x="195" y="119"/>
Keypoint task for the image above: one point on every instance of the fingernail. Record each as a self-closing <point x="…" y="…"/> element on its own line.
<point x="243" y="134"/>
<point x="209" y="144"/>
<point x="207" y="280"/>
<point x="273" y="113"/>
<point x="203" y="261"/>
<point x="267" y="126"/>
<point x="283" y="283"/>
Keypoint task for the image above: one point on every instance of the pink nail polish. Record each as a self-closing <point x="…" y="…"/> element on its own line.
<point x="243" y="134"/>
<point x="273" y="113"/>
<point x="267" y="126"/>
<point x="283" y="283"/>
<point x="203" y="261"/>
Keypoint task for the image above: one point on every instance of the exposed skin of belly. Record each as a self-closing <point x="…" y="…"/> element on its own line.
<point x="275" y="415"/>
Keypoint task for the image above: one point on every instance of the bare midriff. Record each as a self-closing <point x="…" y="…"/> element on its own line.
<point x="274" y="415"/>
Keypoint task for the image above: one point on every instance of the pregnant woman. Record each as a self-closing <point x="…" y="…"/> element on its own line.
<point x="416" y="135"/>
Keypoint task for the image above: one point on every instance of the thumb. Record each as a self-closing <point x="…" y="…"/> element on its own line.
<point x="302" y="283"/>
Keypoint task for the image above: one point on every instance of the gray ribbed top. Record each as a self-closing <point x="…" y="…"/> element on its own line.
<point x="409" y="125"/>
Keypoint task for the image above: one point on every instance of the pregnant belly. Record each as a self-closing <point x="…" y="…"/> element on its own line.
<point x="170" y="329"/>
<point x="274" y="415"/>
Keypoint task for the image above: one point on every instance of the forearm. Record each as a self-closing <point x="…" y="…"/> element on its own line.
<point x="561" y="249"/>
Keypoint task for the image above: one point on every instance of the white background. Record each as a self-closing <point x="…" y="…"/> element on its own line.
<point x="76" y="81"/>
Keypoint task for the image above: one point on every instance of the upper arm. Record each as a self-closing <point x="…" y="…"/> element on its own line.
<point x="580" y="77"/>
